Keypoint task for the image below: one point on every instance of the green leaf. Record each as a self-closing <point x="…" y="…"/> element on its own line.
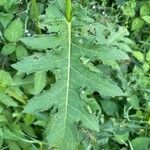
<point x="137" y="23"/>
<point x="13" y="145"/>
<point x="66" y="49"/>
<point x="129" y="8"/>
<point x="21" y="52"/>
<point x="5" y="80"/>
<point x="29" y="119"/>
<point x="138" y="55"/>
<point x="146" y="66"/>
<point x="28" y="130"/>
<point x="3" y="119"/>
<point x="39" y="81"/>
<point x="41" y="42"/>
<point x="146" y="19"/>
<point x="14" y="31"/>
<point x="121" y="137"/>
<point x="140" y="143"/>
<point x="8" y="48"/>
<point x="133" y="100"/>
<point x="109" y="107"/>
<point x="145" y="9"/>
<point x="5" y="18"/>
<point x="2" y="2"/>
<point x="8" y="101"/>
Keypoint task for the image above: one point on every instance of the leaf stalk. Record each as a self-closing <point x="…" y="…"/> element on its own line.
<point x="36" y="14"/>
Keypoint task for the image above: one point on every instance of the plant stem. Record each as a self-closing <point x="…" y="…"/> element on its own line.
<point x="35" y="10"/>
<point x="68" y="10"/>
<point x="17" y="97"/>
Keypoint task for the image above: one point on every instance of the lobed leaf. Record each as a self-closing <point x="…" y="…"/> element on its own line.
<point x="72" y="55"/>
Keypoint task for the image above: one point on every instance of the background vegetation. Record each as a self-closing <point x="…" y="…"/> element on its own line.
<point x="124" y="122"/>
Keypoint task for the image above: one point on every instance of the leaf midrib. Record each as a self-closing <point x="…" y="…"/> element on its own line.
<point x="68" y="73"/>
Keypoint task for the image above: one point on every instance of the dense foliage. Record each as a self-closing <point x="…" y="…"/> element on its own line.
<point x="75" y="75"/>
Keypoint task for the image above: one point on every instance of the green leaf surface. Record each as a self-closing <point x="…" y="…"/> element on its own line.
<point x="8" y="101"/>
<point x="64" y="57"/>
<point x="5" y="80"/>
<point x="134" y="101"/>
<point x="14" y="31"/>
<point x="8" y="48"/>
<point x="41" y="42"/>
<point x="146" y="19"/>
<point x="109" y="107"/>
<point x="13" y="145"/>
<point x="145" y="9"/>
<point x="2" y="2"/>
<point x="138" y="55"/>
<point x="39" y="81"/>
<point x="5" y="18"/>
<point x="137" y="23"/>
<point x="21" y="52"/>
<point x="141" y="143"/>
